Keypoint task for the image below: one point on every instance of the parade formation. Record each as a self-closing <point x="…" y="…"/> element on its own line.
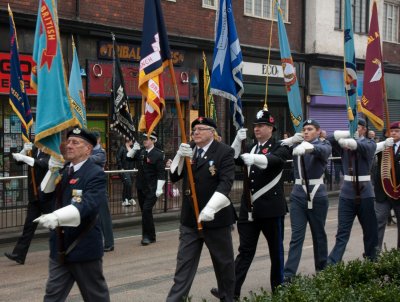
<point x="68" y="191"/>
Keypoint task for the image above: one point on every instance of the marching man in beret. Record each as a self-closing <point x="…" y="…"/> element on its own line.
<point x="213" y="172"/>
<point x="76" y="243"/>
<point x="356" y="194"/>
<point x="309" y="198"/>
<point x="383" y="202"/>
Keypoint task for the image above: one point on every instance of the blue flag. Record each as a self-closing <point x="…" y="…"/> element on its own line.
<point x="76" y="89"/>
<point x="289" y="72"/>
<point x="18" y="98"/>
<point x="54" y="111"/>
<point x="226" y="77"/>
<point x="350" y="74"/>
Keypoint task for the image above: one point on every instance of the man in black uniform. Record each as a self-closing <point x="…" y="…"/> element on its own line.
<point x="265" y="160"/>
<point x="38" y="163"/>
<point x="150" y="181"/>
<point x="213" y="172"/>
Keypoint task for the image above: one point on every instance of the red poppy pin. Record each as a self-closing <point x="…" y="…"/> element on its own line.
<point x="271" y="119"/>
<point x="73" y="181"/>
<point x="264" y="151"/>
<point x="148" y="160"/>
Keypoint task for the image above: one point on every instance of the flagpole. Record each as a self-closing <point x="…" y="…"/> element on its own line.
<point x="184" y="140"/>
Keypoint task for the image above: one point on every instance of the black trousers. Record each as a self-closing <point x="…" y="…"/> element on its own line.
<point x="249" y="232"/>
<point x="147" y="200"/>
<point x="34" y="210"/>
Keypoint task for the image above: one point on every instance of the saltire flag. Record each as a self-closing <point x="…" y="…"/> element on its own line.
<point x="54" y="112"/>
<point x="373" y="89"/>
<point x="18" y="98"/>
<point x="155" y="55"/>
<point x="76" y="88"/>
<point x="289" y="72"/>
<point x="209" y="104"/>
<point x="226" y="77"/>
<point x="350" y="73"/>
<point x="121" y="117"/>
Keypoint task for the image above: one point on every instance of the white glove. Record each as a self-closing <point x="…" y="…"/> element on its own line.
<point x="55" y="164"/>
<point x="178" y="161"/>
<point x="387" y="143"/>
<point x="216" y="203"/>
<point x="348" y="143"/>
<point x="237" y="143"/>
<point x="160" y="185"/>
<point x="295" y="139"/>
<point x="255" y="159"/>
<point x="303" y="148"/>
<point x="66" y="216"/>
<point x="131" y="153"/>
<point x="27" y="147"/>
<point x="185" y="150"/>
<point x="26" y="159"/>
<point x="308" y="146"/>
<point x="338" y="134"/>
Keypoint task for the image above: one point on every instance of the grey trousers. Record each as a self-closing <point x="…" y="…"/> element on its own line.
<point x="382" y="210"/>
<point x="88" y="276"/>
<point x="219" y="243"/>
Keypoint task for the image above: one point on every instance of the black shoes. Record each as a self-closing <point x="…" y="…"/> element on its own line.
<point x="108" y="249"/>
<point x="147" y="241"/>
<point x="214" y="291"/>
<point x="14" y="257"/>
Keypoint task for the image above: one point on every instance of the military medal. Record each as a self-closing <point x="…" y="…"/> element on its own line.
<point x="212" y="168"/>
<point x="76" y="196"/>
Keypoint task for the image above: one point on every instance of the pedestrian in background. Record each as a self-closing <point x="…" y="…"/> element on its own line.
<point x="99" y="157"/>
<point x="125" y="162"/>
<point x="150" y="182"/>
<point x="76" y="243"/>
<point x="213" y="172"/>
<point x="308" y="204"/>
<point x="38" y="164"/>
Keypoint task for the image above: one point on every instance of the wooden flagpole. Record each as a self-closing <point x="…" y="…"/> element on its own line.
<point x="184" y="140"/>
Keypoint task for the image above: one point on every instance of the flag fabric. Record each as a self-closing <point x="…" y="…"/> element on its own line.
<point x="289" y="73"/>
<point x="76" y="90"/>
<point x="155" y="55"/>
<point x="18" y="98"/>
<point x="350" y="73"/>
<point x="373" y="88"/>
<point x="209" y="104"/>
<point x="121" y="117"/>
<point x="226" y="77"/>
<point x="54" y="112"/>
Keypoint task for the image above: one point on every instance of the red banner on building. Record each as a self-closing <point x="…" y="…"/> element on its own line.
<point x="26" y="63"/>
<point x="99" y="76"/>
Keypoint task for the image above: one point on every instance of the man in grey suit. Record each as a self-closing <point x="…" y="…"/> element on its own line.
<point x="213" y="172"/>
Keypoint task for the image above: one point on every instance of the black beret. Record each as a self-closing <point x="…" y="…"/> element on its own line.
<point x="84" y="134"/>
<point x="311" y="122"/>
<point x="204" y="121"/>
<point x="264" y="117"/>
<point x="362" y="122"/>
<point x="153" y="135"/>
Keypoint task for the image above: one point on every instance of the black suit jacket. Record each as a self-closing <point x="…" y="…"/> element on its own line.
<point x="218" y="158"/>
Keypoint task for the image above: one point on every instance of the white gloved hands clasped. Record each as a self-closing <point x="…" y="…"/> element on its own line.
<point x="55" y="164"/>
<point x="26" y="149"/>
<point x="348" y="143"/>
<point x="217" y="202"/>
<point x="131" y="153"/>
<point x="303" y="148"/>
<point x="237" y="143"/>
<point x="295" y="139"/>
<point x="66" y="216"/>
<point x="259" y="160"/>
<point x="24" y="158"/>
<point x="160" y="185"/>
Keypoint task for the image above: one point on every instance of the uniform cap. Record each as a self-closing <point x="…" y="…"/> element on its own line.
<point x="395" y="125"/>
<point x="153" y="135"/>
<point x="204" y="121"/>
<point x="362" y="122"/>
<point x="311" y="122"/>
<point x="264" y="117"/>
<point x="84" y="134"/>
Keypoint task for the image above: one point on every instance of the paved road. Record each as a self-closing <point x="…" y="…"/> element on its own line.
<point x="136" y="273"/>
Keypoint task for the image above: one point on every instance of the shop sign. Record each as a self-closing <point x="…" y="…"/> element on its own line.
<point x="26" y="63"/>
<point x="99" y="76"/>
<point x="262" y="70"/>
<point x="130" y="52"/>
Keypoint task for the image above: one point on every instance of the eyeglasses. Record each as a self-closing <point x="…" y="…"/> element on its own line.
<point x="201" y="129"/>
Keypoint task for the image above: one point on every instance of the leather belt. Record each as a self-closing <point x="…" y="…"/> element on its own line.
<point x="360" y="178"/>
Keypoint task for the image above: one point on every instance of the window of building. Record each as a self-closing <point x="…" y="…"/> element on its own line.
<point x="360" y="15"/>
<point x="264" y="9"/>
<point x="390" y="22"/>
<point x="210" y="3"/>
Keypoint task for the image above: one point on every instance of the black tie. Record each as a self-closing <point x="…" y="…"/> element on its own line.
<point x="199" y="152"/>
<point x="70" y="171"/>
